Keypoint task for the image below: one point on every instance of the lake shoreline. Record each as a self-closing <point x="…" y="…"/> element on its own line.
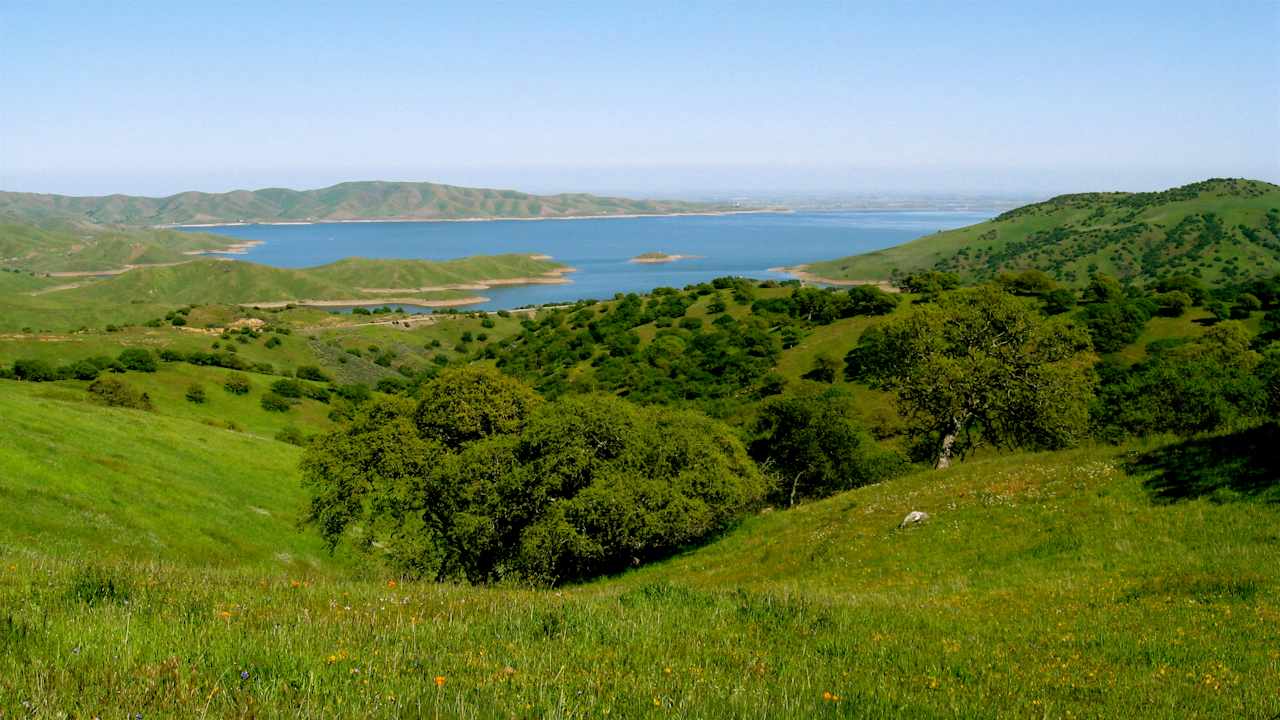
<point x="364" y="302"/>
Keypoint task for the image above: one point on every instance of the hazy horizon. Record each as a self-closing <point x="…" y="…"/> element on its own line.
<point x="665" y="100"/>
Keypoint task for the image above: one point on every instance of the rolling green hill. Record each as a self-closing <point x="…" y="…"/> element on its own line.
<point x="67" y="247"/>
<point x="346" y="201"/>
<point x="1217" y="230"/>
<point x="1131" y="582"/>
<point x="150" y="291"/>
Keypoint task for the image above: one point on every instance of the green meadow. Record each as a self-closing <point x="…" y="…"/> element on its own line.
<point x="151" y="565"/>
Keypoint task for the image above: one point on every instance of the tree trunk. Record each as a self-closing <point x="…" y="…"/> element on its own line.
<point x="948" y="441"/>
<point x="795" y="484"/>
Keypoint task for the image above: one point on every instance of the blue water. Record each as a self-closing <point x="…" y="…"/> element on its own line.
<point x="746" y="245"/>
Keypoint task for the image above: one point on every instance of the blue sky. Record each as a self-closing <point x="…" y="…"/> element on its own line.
<point x="651" y="98"/>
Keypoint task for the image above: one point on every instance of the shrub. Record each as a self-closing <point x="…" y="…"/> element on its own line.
<point x="1114" y="325"/>
<point x="823" y="370"/>
<point x="292" y="435"/>
<point x="117" y="393"/>
<point x="138" y="360"/>
<point x="272" y="402"/>
<point x="1058" y="301"/>
<point x="236" y="384"/>
<point x="815" y="448"/>
<point x="195" y="393"/>
<point x="311" y="372"/>
<point x="272" y="342"/>
<point x="355" y="393"/>
<point x="870" y="300"/>
<point x="391" y="385"/>
<point x="1173" y="303"/>
<point x="33" y="370"/>
<point x="81" y="370"/>
<point x="288" y="388"/>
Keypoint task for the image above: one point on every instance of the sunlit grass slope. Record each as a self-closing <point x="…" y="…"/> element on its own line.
<point x="94" y="484"/>
<point x="1084" y="583"/>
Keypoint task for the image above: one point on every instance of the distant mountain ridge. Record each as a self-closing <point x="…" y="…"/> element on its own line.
<point x="373" y="200"/>
<point x="1218" y="229"/>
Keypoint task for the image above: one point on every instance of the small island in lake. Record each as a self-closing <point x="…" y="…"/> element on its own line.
<point x="660" y="257"/>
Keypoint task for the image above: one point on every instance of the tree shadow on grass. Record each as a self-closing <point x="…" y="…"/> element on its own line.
<point x="1241" y="466"/>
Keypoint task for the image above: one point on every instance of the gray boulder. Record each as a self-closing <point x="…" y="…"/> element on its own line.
<point x="915" y="517"/>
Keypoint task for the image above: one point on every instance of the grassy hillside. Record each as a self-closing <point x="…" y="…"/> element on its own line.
<point x="69" y="247"/>
<point x="232" y="282"/>
<point x="1216" y="230"/>
<point x="110" y="485"/>
<point x="148" y="292"/>
<point x="412" y="274"/>
<point x="346" y="201"/>
<point x="1090" y="583"/>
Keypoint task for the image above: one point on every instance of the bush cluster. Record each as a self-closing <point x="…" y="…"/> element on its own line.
<point x="482" y="480"/>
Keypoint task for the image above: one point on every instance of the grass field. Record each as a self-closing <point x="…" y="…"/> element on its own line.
<point x="1075" y="584"/>
<point x="114" y="485"/>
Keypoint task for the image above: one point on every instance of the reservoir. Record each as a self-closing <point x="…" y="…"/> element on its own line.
<point x="746" y="244"/>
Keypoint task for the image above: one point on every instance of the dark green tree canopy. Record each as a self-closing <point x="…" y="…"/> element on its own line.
<point x="541" y="492"/>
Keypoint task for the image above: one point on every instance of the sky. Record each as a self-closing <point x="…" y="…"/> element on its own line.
<point x="654" y="98"/>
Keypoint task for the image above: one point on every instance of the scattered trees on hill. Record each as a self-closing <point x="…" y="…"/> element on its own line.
<point x="481" y="481"/>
